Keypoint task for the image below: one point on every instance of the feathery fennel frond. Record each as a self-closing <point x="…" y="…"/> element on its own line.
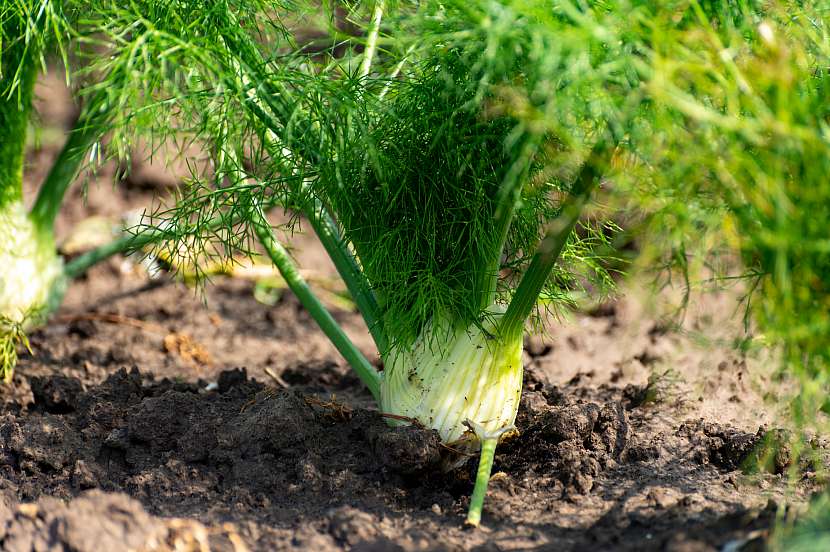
<point x="28" y="30"/>
<point x="416" y="171"/>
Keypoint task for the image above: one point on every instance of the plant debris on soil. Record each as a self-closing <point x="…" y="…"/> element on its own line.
<point x="231" y="425"/>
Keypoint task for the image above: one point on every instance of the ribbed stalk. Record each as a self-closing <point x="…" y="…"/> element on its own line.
<point x="63" y="172"/>
<point x="364" y="370"/>
<point x="348" y="269"/>
<point x="372" y="41"/>
<point x="549" y="249"/>
<point x="19" y="68"/>
<point x="508" y="199"/>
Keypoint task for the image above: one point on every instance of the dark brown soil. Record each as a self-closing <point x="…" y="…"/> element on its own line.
<point x="146" y="420"/>
<point x="293" y="467"/>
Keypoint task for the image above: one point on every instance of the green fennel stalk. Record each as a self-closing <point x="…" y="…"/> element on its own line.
<point x="291" y="274"/>
<point x="32" y="280"/>
<point x="18" y="65"/>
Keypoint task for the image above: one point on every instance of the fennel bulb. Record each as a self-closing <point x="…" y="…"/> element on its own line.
<point x="452" y="380"/>
<point x="33" y="281"/>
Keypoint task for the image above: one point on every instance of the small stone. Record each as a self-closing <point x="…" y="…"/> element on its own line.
<point x="662" y="498"/>
<point x="82" y="476"/>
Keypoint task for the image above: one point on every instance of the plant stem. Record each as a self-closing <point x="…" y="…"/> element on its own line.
<point x="372" y="41"/>
<point x="509" y="196"/>
<point x="346" y="265"/>
<point x="344" y="261"/>
<point x="263" y="100"/>
<point x="549" y="249"/>
<point x="324" y="226"/>
<point x="80" y="264"/>
<point x="364" y="370"/>
<point x="485" y="467"/>
<point x="19" y="69"/>
<point x="63" y="172"/>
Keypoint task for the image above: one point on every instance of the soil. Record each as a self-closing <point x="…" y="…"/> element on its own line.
<point x="154" y="417"/>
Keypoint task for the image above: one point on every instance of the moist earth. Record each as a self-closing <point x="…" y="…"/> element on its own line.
<point x="139" y="463"/>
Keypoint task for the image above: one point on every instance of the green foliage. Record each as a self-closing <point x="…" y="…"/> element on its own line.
<point x="810" y="532"/>
<point x="441" y="179"/>
<point x="12" y="338"/>
<point x="743" y="132"/>
<point x="416" y="186"/>
<point x="736" y="161"/>
<point x="26" y="29"/>
<point x="445" y="185"/>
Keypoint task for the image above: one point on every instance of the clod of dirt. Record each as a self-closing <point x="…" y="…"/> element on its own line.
<point x="722" y="446"/>
<point x="56" y="394"/>
<point x="405" y="449"/>
<point x="37" y="443"/>
<point x="613" y="430"/>
<point x="569" y="422"/>
<point x="576" y="467"/>
<point x="533" y="403"/>
<point x="573" y="442"/>
<point x="119" y="388"/>
<point x="231" y="378"/>
<point x="598" y="428"/>
<point x="271" y="424"/>
<point x="91" y="522"/>
<point x="351" y="526"/>
<point x="159" y="421"/>
<point x="85" y="476"/>
<point x="639" y="451"/>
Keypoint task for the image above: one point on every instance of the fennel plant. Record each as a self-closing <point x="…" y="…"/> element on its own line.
<point x="444" y="161"/>
<point x="33" y="276"/>
<point x="32" y="279"/>
<point x="745" y="127"/>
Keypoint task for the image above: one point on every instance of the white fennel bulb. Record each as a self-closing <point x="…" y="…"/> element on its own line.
<point x="32" y="281"/>
<point x="450" y="380"/>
